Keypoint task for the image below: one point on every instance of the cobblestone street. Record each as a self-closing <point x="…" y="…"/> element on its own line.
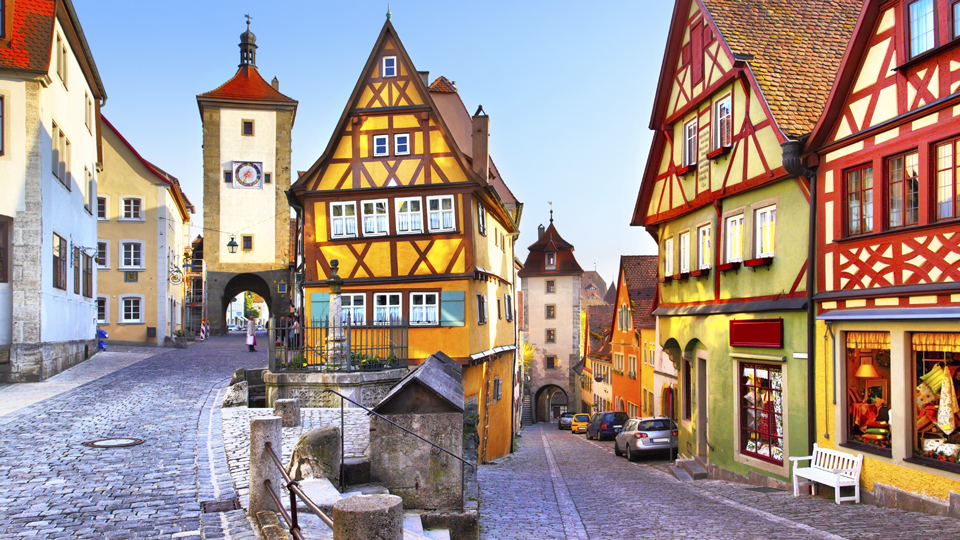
<point x="561" y="486"/>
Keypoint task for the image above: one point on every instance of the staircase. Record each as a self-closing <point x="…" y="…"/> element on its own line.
<point x="526" y="415"/>
<point x="687" y="470"/>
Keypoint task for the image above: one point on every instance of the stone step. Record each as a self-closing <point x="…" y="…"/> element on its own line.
<point x="437" y="534"/>
<point x="693" y="468"/>
<point x="679" y="473"/>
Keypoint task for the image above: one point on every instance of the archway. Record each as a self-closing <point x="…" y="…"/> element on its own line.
<point x="621" y="406"/>
<point x="695" y="359"/>
<point x="551" y="402"/>
<point x="239" y="284"/>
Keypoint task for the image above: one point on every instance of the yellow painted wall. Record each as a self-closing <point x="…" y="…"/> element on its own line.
<point x="648" y="337"/>
<point x="495" y="427"/>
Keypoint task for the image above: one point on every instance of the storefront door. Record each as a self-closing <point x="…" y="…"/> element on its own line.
<point x="702" y="407"/>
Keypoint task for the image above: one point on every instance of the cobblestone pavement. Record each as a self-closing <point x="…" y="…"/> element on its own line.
<point x="55" y="488"/>
<point x="561" y="486"/>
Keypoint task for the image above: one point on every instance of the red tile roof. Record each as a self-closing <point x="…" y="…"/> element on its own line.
<point x="246" y="84"/>
<point x="640" y="274"/>
<point x="31" y="36"/>
<point x="599" y="319"/>
<point x="536" y="260"/>
<point x="443" y="85"/>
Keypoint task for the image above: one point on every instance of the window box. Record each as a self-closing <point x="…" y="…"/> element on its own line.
<point x="718" y="153"/>
<point x="681" y="276"/>
<point x="632" y="375"/>
<point x="760" y="261"/>
<point x="703" y="272"/>
<point x="686" y="169"/>
<point x="665" y="279"/>
<point x="729" y="266"/>
<point x="934" y="463"/>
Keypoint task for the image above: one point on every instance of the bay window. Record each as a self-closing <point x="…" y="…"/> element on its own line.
<point x="343" y="219"/>
<point x="409" y="216"/>
<point x="423" y="308"/>
<point x="903" y="184"/>
<point x="375" y="220"/>
<point x="761" y="411"/>
<point x="859" y="185"/>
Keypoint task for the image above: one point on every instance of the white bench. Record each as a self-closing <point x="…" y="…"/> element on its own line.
<point x="831" y="468"/>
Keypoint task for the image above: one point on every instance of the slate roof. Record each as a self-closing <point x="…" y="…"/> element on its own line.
<point x="640" y="274"/>
<point x="797" y="47"/>
<point x="439" y="373"/>
<point x="246" y="84"/>
<point x="599" y="319"/>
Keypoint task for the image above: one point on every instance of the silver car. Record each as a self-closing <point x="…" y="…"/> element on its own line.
<point x="642" y="435"/>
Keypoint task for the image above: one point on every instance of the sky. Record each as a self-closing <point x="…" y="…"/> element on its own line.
<point x="568" y="86"/>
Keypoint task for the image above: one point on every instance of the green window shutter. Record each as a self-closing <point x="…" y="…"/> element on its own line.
<point x="451" y="308"/>
<point x="319" y="308"/>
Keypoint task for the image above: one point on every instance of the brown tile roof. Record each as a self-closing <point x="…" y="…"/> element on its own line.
<point x="31" y="36"/>
<point x="599" y="319"/>
<point x="550" y="241"/>
<point x="640" y="273"/>
<point x="246" y="84"/>
<point x="611" y="297"/>
<point x="443" y="85"/>
<point x="796" y="46"/>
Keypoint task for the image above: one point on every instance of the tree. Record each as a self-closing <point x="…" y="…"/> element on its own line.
<point x="248" y="310"/>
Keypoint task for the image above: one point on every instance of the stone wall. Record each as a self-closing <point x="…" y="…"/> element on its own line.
<point x="367" y="388"/>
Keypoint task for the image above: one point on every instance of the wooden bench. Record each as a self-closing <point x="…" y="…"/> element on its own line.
<point x="831" y="468"/>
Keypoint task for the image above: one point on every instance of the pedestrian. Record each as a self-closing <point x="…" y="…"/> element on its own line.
<point x="296" y="333"/>
<point x="252" y="335"/>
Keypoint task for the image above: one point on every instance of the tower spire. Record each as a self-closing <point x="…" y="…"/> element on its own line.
<point x="248" y="46"/>
<point x="388" y="12"/>
<point x="551" y="211"/>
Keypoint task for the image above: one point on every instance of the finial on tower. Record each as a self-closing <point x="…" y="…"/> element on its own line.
<point x="388" y="12"/>
<point x="551" y="211"/>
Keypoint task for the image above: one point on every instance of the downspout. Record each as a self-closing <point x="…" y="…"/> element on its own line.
<point x="792" y="162"/>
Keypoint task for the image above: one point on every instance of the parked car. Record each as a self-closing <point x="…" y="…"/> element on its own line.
<point x="232" y="328"/>
<point x="579" y="423"/>
<point x="643" y="435"/>
<point x="606" y="424"/>
<point x="564" y="421"/>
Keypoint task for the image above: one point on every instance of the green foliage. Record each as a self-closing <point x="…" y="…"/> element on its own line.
<point x="248" y="310"/>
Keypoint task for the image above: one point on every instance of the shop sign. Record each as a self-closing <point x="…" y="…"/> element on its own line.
<point x="767" y="333"/>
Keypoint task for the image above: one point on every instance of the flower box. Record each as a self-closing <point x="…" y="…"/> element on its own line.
<point x="686" y="169"/>
<point x="761" y="261"/>
<point x="703" y="272"/>
<point x="665" y="279"/>
<point x="729" y="266"/>
<point x="714" y="154"/>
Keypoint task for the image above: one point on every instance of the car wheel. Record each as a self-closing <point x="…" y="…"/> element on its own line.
<point x="630" y="455"/>
<point x="588" y="435"/>
<point x="616" y="449"/>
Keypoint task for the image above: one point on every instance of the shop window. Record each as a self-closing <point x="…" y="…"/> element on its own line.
<point x="868" y="390"/>
<point x="761" y="412"/>
<point x="937" y="418"/>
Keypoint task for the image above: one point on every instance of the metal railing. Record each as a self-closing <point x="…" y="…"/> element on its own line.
<point x="338" y="346"/>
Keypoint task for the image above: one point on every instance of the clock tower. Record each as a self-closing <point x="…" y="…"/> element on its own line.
<point x="247" y="126"/>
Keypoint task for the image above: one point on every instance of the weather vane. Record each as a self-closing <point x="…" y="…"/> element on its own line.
<point x="551" y="211"/>
<point x="248" y="20"/>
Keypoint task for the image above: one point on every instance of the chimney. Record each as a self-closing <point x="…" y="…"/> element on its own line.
<point x="275" y="84"/>
<point x="425" y="77"/>
<point x="481" y="144"/>
<point x="540" y="231"/>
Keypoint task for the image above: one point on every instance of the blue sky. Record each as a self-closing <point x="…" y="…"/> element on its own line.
<point x="568" y="86"/>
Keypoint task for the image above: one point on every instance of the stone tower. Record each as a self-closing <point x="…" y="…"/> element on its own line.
<point x="247" y="126"/>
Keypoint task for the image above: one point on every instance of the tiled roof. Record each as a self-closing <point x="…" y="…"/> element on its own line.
<point x="611" y="297"/>
<point x="796" y="46"/>
<point x="550" y="241"/>
<point x="599" y="319"/>
<point x="443" y="85"/>
<point x="246" y="84"/>
<point x="640" y="273"/>
<point x="31" y="36"/>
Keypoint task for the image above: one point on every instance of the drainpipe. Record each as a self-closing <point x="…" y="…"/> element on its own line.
<point x="792" y="162"/>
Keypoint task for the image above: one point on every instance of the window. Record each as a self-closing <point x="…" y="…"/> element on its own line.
<point x="389" y="66"/>
<point x="903" y="185"/>
<point x="956" y="19"/>
<point x="551" y="260"/>
<point x="4" y="251"/>
<point x="618" y="362"/>
<point x="87" y="111"/>
<point x="921" y="27"/>
<point x="386" y="308"/>
<point x="401" y="144"/>
<point x="131" y="255"/>
<point x="723" y="124"/>
<point x="948" y="176"/>
<point x="703" y="247"/>
<point x="227" y="177"/>
<point x="632" y="364"/>
<point x="103" y="255"/>
<point x="481" y="219"/>
<point x="375" y="220"/>
<point x="409" y="216"/>
<point x="247" y="128"/>
<point x="632" y="409"/>
<point x="508" y="306"/>
<point x="353" y="308"/>
<point x="761" y="411"/>
<point x="87" y="276"/>
<point x="690" y="143"/>
<point x="59" y="262"/>
<point x="551" y="362"/>
<point x="551" y="311"/>
<point x="75" y="261"/>
<point x="343" y="219"/>
<point x="423" y="308"/>
<point x="734" y="243"/>
<point x="860" y="200"/>
<point x="499" y="312"/>
<point x="551" y="286"/>
<point x="131" y="208"/>
<point x="381" y="145"/>
<point x="668" y="257"/>
<point x="61" y="60"/>
<point x="266" y="178"/>
<point x="102" y="310"/>
<point x="868" y="399"/>
<point x="246" y="242"/>
<point x="481" y="309"/>
<point x="766" y="231"/>
<point x="551" y="336"/>
<point x="91" y="189"/>
<point x="130" y="309"/>
<point x="934" y="359"/>
<point x="440" y="213"/>
<point x="623" y="317"/>
<point x="685" y="253"/>
<point x="1" y="97"/>
<point x="61" y="155"/>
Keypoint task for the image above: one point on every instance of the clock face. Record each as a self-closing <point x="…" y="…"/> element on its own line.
<point x="247" y="174"/>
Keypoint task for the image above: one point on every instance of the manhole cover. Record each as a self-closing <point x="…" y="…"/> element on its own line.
<point x="121" y="442"/>
<point x="765" y="490"/>
<point x="208" y="507"/>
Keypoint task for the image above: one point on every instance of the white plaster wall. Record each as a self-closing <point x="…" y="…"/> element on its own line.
<point x="248" y="211"/>
<point x="567" y="290"/>
<point x="665" y="373"/>
<point x="12" y="185"/>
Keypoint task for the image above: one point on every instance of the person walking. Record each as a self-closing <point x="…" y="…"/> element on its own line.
<point x="252" y="335"/>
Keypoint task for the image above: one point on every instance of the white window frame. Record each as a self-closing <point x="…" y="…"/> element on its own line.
<point x="106" y="309"/>
<point x="122" y="215"/>
<point x="409" y="215"/>
<point x="378" y="218"/>
<point x="103" y="264"/>
<point x="121" y="261"/>
<point x="723" y="123"/>
<point x="405" y="137"/>
<point x="733" y="238"/>
<point x="426" y="307"/>
<point x="668" y="257"/>
<point x="685" y="252"/>
<point x="106" y="208"/>
<point x="345" y="218"/>
<point x="383" y="67"/>
<point x="452" y="211"/>
<point x="481" y="218"/>
<point x="385" y="143"/>
<point x="357" y="312"/>
<point x="388" y="319"/>
<point x="122" y="309"/>
<point x="690" y="143"/>
<point x="703" y="246"/>
<point x="766" y="218"/>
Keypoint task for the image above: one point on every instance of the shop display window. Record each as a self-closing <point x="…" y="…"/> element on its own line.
<point x="937" y="420"/>
<point x="761" y="412"/>
<point x="868" y="390"/>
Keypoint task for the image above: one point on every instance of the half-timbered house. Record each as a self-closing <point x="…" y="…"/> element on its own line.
<point x="633" y="336"/>
<point x="738" y="80"/>
<point x="887" y="156"/>
<point x="407" y="199"/>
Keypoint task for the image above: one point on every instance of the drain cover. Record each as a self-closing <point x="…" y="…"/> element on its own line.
<point x="209" y="507"/>
<point x="120" y="442"/>
<point x="765" y="490"/>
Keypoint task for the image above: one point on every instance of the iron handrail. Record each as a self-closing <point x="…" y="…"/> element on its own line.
<point x="295" y="492"/>
<point x="291" y="523"/>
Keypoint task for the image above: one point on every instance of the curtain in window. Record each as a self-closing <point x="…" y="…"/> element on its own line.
<point x="868" y="340"/>
<point x="939" y="342"/>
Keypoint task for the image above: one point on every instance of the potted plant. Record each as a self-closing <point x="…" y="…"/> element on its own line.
<point x="180" y="339"/>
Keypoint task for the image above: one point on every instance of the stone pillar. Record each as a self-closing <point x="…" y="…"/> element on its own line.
<point x="368" y="517"/>
<point x="288" y="410"/>
<point x="338" y="350"/>
<point x="262" y="467"/>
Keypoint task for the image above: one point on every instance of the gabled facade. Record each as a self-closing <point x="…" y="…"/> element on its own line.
<point x="143" y="220"/>
<point x="633" y="336"/>
<point x="733" y="295"/>
<point x="598" y="358"/>
<point x="407" y="199"/>
<point x="50" y="98"/>
<point x="888" y="285"/>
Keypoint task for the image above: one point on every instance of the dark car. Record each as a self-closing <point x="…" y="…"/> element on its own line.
<point x="564" y="421"/>
<point x="606" y="424"/>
